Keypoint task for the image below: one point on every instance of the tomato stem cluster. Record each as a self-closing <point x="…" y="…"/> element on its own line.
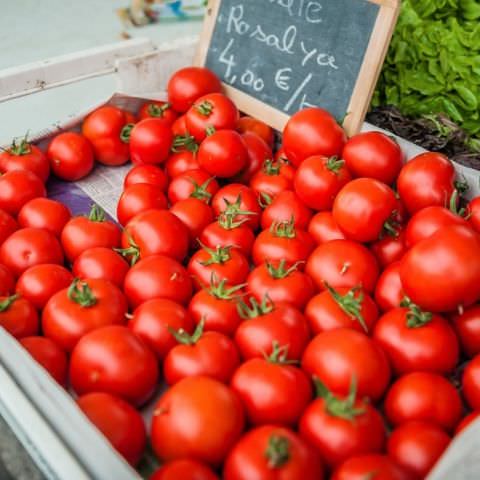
<point x="80" y="293"/>
<point x="278" y="451"/>
<point x="255" y="309"/>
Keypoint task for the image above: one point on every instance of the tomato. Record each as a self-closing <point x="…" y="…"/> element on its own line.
<point x="389" y="291"/>
<point x="180" y="162"/>
<point x="339" y="427"/>
<point x="186" y="469"/>
<point x="101" y="263"/>
<point x="318" y="180"/>
<point x="467" y="326"/>
<point x="40" y="282"/>
<point x="179" y="126"/>
<point x="138" y="198"/>
<point x="217" y="307"/>
<point x="447" y="284"/>
<point x="71" y="156"/>
<point x="18" y="187"/>
<point x="190" y="83"/>
<point x="423" y="396"/>
<point x="390" y="248"/>
<point x="473" y="213"/>
<point x="121" y="424"/>
<point x="272" y="390"/>
<point x="44" y="213"/>
<point x="18" y="316"/>
<point x="225" y="263"/>
<point x="192" y="184"/>
<point x="153" y="321"/>
<point x="82" y="233"/>
<point x="7" y="225"/>
<point x="415" y="340"/>
<point x="282" y="241"/>
<point x="270" y="453"/>
<point x="113" y="360"/>
<point x="252" y="125"/>
<point x="108" y="129"/>
<point x="150" y="174"/>
<point x="150" y="141"/>
<point x="25" y="156"/>
<point x="266" y="323"/>
<point x="157" y="109"/>
<point x="416" y="446"/>
<point x="280" y="284"/>
<point x="81" y="308"/>
<point x="341" y="308"/>
<point x="312" y="131"/>
<point x="467" y="420"/>
<point x="374" y="155"/>
<point x="363" y="209"/>
<point x="157" y="276"/>
<point x="49" y="355"/>
<point x="28" y="247"/>
<point x="195" y="215"/>
<point x="471" y="383"/>
<point x="272" y="179"/>
<point x="155" y="232"/>
<point x="238" y="200"/>
<point x="343" y="263"/>
<point x="360" y="467"/>
<point x="258" y="152"/>
<point x="7" y="282"/>
<point x="323" y="228"/>
<point x="336" y="356"/>
<point x="435" y="173"/>
<point x="284" y="207"/>
<point x="198" y="417"/>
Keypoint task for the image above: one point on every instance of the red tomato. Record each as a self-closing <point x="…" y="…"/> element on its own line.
<point x="181" y="162"/>
<point x="192" y="184"/>
<point x="280" y="284"/>
<point x="343" y="263"/>
<point x="40" y="282"/>
<point x="49" y="355"/>
<point x="340" y="428"/>
<point x="150" y="141"/>
<point x="473" y="213"/>
<point x="82" y="233"/>
<point x="18" y="316"/>
<point x="341" y="308"/>
<point x="153" y="321"/>
<point x="467" y="420"/>
<point x="416" y="446"/>
<point x="7" y="225"/>
<point x="198" y="417"/>
<point x="467" y="326"/>
<point x="121" y="424"/>
<point x="7" y="282"/>
<point x="374" y="155"/>
<point x="272" y="390"/>
<point x="157" y="276"/>
<point x="186" y="469"/>
<point x="417" y="341"/>
<point x="253" y="125"/>
<point x="389" y="291"/>
<point x="179" y="126"/>
<point x="28" y="247"/>
<point x="390" y="248"/>
<point x="18" y="187"/>
<point x="190" y="83"/>
<point x="71" y="156"/>
<point x="44" y="213"/>
<point x="471" y="383"/>
<point x="323" y="228"/>
<point x="25" y="157"/>
<point x="361" y="466"/>
<point x="312" y="131"/>
<point x="266" y="323"/>
<point x="108" y="129"/>
<point x="444" y="285"/>
<point x="155" y="232"/>
<point x="435" y="173"/>
<point x="101" y="263"/>
<point x="272" y="452"/>
<point x="150" y="174"/>
<point x="113" y="360"/>
<point x="211" y="354"/>
<point x="272" y="179"/>
<point x="157" y="109"/>
<point x="258" y="152"/>
<point x="423" y="396"/>
<point x="138" y="198"/>
<point x="81" y="308"/>
<point x="284" y="207"/>
<point x="336" y="356"/>
<point x="319" y="179"/>
<point x="282" y="241"/>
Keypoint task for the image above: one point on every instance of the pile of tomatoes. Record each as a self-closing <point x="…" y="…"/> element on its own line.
<point x="312" y="310"/>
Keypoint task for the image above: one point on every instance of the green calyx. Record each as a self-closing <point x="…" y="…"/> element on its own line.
<point x="126" y="132"/>
<point x="281" y="271"/>
<point x="391" y="226"/>
<point x="227" y="221"/>
<point x="264" y="199"/>
<point x="277" y="452"/>
<point x="96" y="214"/>
<point x="271" y="168"/>
<point x="184" y="142"/>
<point x="131" y="253"/>
<point x="416" y="317"/>
<point x="80" y="293"/>
<point x="349" y="303"/>
<point x="255" y="309"/>
<point x="335" y="164"/>
<point x="7" y="303"/>
<point x="233" y="208"/>
<point x="205" y="108"/>
<point x="454" y="202"/>
<point x="22" y="148"/>
<point x="336" y="407"/>
<point x="279" y="355"/>
<point x="158" y="111"/>
<point x="285" y="229"/>
<point x="219" y="255"/>
<point x="200" y="191"/>
<point x="184" y="338"/>
<point x="218" y="289"/>
<point x="210" y="130"/>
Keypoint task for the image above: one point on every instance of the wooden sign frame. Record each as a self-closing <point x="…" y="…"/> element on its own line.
<point x="366" y="80"/>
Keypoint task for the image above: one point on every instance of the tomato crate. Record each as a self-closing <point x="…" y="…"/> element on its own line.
<point x="57" y="435"/>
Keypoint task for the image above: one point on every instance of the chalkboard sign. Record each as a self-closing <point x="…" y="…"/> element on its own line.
<point x="276" y="57"/>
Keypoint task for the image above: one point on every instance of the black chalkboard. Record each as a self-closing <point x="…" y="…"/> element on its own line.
<point x="291" y="54"/>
